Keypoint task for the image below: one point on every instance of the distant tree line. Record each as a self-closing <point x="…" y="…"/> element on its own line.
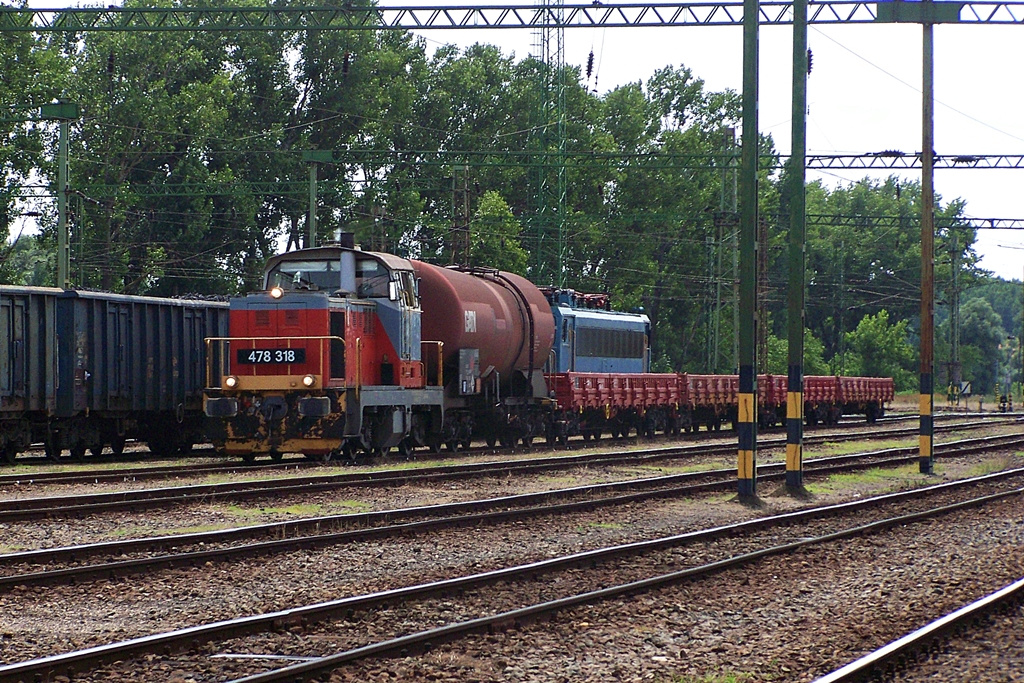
<point x="187" y="172"/>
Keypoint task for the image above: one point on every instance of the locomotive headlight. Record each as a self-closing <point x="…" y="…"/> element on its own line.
<point x="231" y="381"/>
<point x="309" y="380"/>
<point x="276" y="292"/>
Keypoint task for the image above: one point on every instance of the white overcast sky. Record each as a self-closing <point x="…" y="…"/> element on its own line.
<point x="864" y="94"/>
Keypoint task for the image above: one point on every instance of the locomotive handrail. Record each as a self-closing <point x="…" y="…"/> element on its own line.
<point x="440" y="359"/>
<point x="223" y="358"/>
<point x="359" y="365"/>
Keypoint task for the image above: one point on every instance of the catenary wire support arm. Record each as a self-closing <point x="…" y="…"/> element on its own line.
<point x="426" y="16"/>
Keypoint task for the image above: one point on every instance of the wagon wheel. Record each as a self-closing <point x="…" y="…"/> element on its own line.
<point x="51" y="450"/>
<point x="491" y="440"/>
<point x="78" y="452"/>
<point x="8" y="454"/>
<point x="405" y="447"/>
<point x="249" y="457"/>
<point x="452" y="446"/>
<point x="96" y="450"/>
<point x="117" y="445"/>
<point x="275" y="455"/>
<point x="315" y="457"/>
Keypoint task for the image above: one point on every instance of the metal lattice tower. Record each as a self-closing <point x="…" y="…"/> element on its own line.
<point x="548" y="223"/>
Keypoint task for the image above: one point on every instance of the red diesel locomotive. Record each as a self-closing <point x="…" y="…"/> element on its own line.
<point x="337" y="356"/>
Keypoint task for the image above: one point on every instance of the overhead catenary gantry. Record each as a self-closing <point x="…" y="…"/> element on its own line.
<point x="441" y="16"/>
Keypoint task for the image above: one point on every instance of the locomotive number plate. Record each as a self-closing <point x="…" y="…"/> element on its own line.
<point x="266" y="356"/>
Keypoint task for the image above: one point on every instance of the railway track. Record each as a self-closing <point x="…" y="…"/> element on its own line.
<point x="63" y="477"/>
<point x="23" y="508"/>
<point x="139" y="555"/>
<point x="121" y="473"/>
<point x="404" y="619"/>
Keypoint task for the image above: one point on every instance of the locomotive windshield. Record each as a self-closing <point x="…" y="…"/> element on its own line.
<point x="305" y="275"/>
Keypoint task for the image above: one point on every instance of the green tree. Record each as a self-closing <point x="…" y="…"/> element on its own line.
<point x="880" y="349"/>
<point x="864" y="254"/>
<point x="777" y="362"/>
<point x="495" y="236"/>
<point x="32" y="73"/>
<point x="982" y="329"/>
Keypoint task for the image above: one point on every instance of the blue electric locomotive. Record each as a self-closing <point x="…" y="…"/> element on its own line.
<point x="591" y="338"/>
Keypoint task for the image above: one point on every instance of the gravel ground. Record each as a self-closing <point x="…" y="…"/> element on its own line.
<point x="791" y="618"/>
<point x="48" y="620"/>
<point x="788" y="618"/>
<point x="992" y="651"/>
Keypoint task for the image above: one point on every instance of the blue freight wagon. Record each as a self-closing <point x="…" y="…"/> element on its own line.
<point x="83" y="370"/>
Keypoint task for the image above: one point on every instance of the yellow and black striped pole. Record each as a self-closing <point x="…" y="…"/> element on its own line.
<point x="746" y="425"/>
<point x="797" y="235"/>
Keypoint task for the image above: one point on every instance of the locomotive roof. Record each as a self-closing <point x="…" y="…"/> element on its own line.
<point x="333" y="253"/>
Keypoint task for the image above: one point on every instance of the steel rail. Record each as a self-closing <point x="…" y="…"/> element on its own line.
<point x="887" y="658"/>
<point x="69" y="663"/>
<point x="500" y="510"/>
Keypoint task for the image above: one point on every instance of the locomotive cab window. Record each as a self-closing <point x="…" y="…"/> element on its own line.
<point x="373" y="279"/>
<point x="293" y="275"/>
